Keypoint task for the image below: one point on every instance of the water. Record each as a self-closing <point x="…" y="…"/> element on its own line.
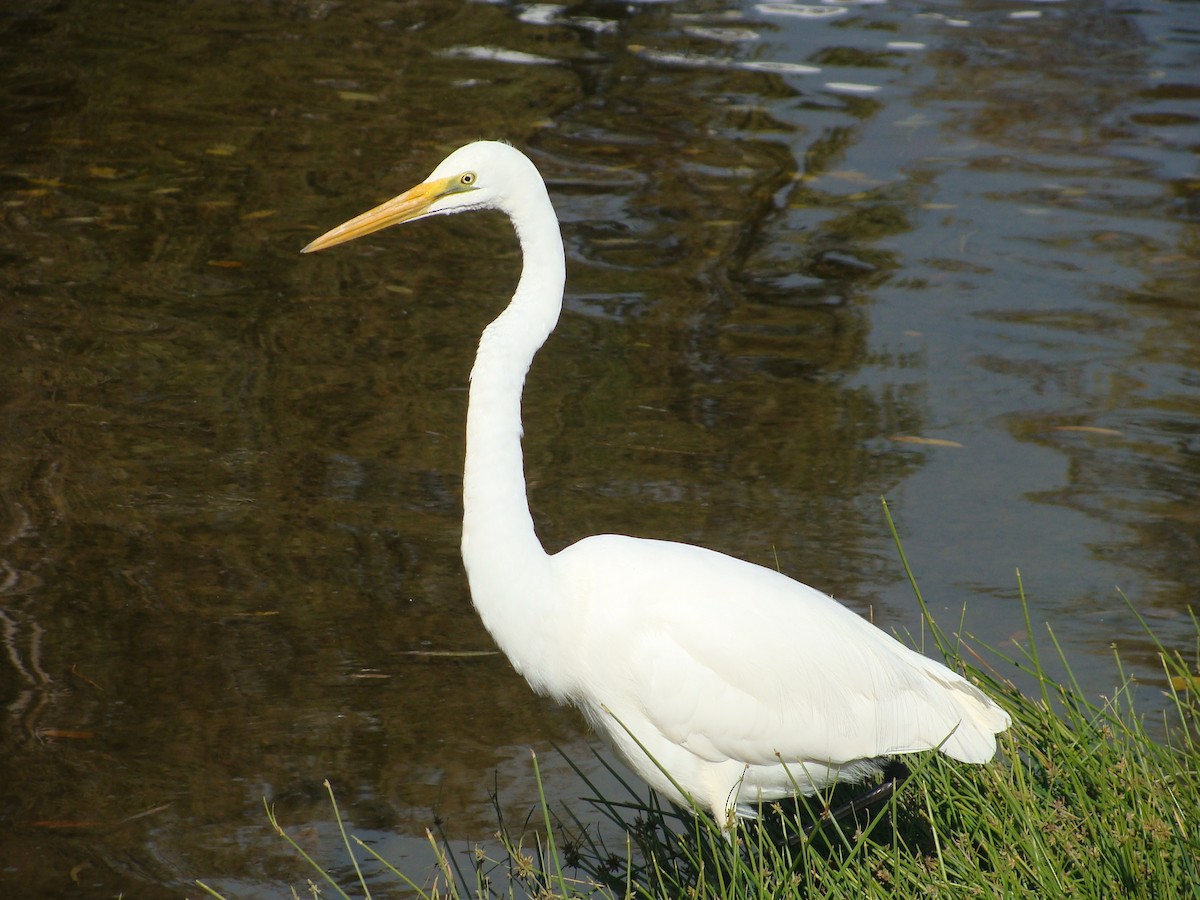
<point x="798" y="237"/>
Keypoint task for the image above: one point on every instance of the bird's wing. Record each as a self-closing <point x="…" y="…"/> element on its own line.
<point x="735" y="661"/>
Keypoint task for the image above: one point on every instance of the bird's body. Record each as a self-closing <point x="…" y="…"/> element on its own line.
<point x="741" y="683"/>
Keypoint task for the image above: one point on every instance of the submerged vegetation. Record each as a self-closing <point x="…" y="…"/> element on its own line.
<point x="1087" y="798"/>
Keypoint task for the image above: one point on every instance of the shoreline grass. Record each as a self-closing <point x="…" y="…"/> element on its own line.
<point x="1088" y="798"/>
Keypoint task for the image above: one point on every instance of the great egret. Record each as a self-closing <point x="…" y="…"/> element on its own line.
<point x="743" y="684"/>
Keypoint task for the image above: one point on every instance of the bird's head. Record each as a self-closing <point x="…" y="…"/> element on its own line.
<point x="481" y="175"/>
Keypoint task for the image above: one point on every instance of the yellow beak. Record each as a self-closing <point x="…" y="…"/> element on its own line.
<point x="409" y="205"/>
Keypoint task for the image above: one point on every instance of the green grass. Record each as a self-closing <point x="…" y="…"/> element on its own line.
<point x="1088" y="797"/>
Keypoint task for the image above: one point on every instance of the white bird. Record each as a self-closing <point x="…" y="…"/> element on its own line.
<point x="744" y="685"/>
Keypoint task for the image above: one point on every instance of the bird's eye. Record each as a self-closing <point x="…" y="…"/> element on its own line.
<point x="466" y="179"/>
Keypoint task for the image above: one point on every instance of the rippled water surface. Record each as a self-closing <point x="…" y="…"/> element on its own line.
<point x="945" y="253"/>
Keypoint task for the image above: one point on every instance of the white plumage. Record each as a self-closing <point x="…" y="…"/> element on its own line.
<point x="739" y="681"/>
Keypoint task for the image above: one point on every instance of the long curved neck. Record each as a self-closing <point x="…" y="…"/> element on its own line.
<point x="500" y="548"/>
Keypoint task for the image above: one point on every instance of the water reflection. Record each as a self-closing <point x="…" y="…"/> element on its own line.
<point x="229" y="485"/>
<point x="1059" y="155"/>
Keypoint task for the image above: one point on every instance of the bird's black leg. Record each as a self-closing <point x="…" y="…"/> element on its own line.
<point x="895" y="773"/>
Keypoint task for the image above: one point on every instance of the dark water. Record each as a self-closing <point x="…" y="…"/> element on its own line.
<point x="798" y="238"/>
